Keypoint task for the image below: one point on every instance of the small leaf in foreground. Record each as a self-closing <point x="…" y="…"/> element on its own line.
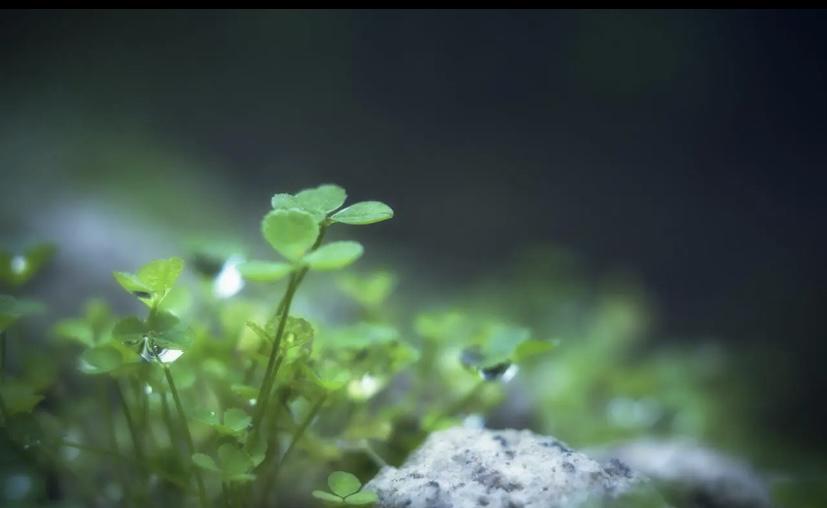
<point x="343" y="484"/>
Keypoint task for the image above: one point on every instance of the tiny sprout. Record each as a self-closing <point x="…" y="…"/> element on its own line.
<point x="345" y="489"/>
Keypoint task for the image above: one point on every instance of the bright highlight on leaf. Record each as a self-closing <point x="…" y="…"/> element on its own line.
<point x="290" y="232"/>
<point x="334" y="256"/>
<point x="366" y="212"/>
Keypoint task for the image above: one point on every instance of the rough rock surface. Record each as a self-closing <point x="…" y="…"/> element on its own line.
<point x="468" y="467"/>
<point x="693" y="476"/>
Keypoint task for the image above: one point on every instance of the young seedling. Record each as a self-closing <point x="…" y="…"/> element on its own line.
<point x="161" y="337"/>
<point x="295" y="228"/>
<point x="345" y="489"/>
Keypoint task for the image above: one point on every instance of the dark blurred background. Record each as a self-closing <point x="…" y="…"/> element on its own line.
<point x="685" y="147"/>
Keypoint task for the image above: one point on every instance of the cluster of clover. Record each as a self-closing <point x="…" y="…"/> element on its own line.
<point x="208" y="400"/>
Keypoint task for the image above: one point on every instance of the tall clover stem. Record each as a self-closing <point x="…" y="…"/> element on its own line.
<point x="137" y="449"/>
<point x="283" y="311"/>
<point x="130" y="424"/>
<point x="202" y="495"/>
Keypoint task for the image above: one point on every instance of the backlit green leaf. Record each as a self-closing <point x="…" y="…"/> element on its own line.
<point x="284" y="201"/>
<point x="290" y="232"/>
<point x="134" y="286"/>
<point x="160" y="275"/>
<point x="334" y="256"/>
<point x="324" y="198"/>
<point x="366" y="212"/>
<point x="343" y="484"/>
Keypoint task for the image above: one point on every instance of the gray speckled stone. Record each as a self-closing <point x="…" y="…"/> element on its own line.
<point x="693" y="476"/>
<point x="466" y="467"/>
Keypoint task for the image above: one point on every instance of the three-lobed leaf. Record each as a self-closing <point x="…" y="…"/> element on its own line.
<point x="343" y="483"/>
<point x="160" y="275"/>
<point x="153" y="280"/>
<point x="345" y="489"/>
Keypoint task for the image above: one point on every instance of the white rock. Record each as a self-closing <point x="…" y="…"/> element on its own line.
<point x="692" y="475"/>
<point x="467" y="467"/>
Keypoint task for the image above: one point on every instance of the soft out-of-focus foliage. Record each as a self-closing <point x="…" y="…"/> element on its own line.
<point x="220" y="389"/>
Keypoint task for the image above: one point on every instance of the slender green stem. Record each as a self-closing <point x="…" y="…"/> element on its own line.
<point x="173" y="434"/>
<point x="2" y="355"/>
<point x="375" y="457"/>
<point x="4" y="413"/>
<point x="137" y="449"/>
<point x="130" y="423"/>
<point x="302" y="428"/>
<point x="283" y="311"/>
<point x="202" y="494"/>
<point x="270" y="373"/>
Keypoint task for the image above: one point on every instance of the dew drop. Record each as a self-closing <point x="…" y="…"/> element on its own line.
<point x="252" y="402"/>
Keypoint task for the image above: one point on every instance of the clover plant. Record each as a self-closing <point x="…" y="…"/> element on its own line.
<point x="218" y="394"/>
